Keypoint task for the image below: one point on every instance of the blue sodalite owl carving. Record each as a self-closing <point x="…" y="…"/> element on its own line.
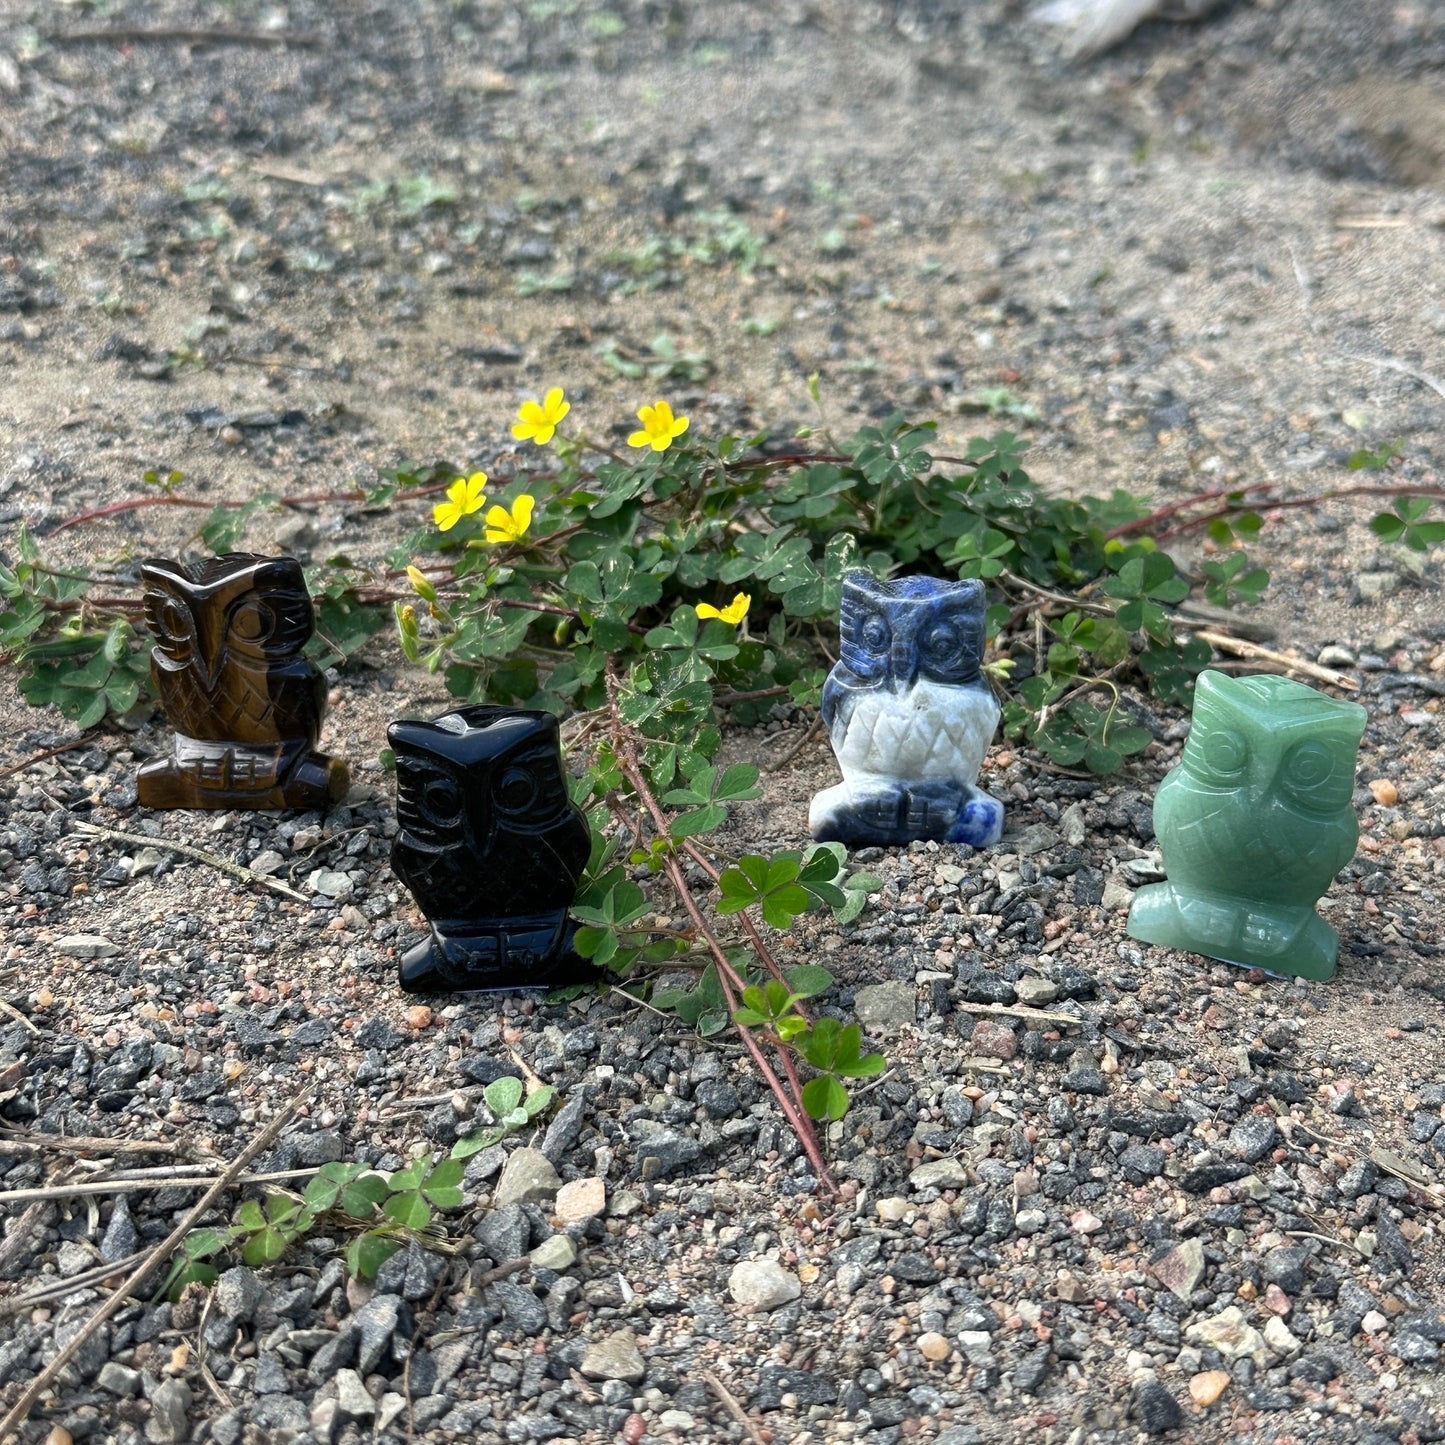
<point x="910" y="716"/>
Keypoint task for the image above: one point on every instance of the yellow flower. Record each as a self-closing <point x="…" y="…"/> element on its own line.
<point x="732" y="614"/>
<point x="505" y="526"/>
<point x="539" y="420"/>
<point x="463" y="498"/>
<point x="659" y="428"/>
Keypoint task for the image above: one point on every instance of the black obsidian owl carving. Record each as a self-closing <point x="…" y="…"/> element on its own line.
<point x="235" y="683"/>
<point x="491" y="847"/>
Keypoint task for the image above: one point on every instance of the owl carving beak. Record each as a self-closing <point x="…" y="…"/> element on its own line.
<point x="904" y="671"/>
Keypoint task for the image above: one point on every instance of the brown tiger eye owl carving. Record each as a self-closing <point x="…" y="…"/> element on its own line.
<point x="235" y="683"/>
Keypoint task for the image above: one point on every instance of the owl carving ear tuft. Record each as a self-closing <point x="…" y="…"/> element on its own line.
<point x="491" y="847"/>
<point x="909" y="715"/>
<point x="237" y="686"/>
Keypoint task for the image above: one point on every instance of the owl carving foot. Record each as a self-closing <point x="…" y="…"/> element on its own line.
<point x="214" y="775"/>
<point x="891" y="814"/>
<point x="1278" y="938"/>
<point x="503" y="956"/>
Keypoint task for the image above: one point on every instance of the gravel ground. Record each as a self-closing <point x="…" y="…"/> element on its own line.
<point x="1162" y="1197"/>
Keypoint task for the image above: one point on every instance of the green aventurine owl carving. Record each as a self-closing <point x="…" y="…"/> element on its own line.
<point x="1254" y="823"/>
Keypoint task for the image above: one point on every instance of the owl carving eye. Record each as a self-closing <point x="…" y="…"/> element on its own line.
<point x="441" y="801"/>
<point x="1310" y="777"/>
<point x="269" y="624"/>
<point x="876" y="633"/>
<point x="174" y="627"/>
<point x="1223" y="755"/>
<point x="253" y="621"/>
<point x="516" y="790"/>
<point x="428" y="801"/>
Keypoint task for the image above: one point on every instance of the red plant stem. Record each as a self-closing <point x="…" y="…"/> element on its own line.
<point x="791" y="1105"/>
<point x="796" y="1116"/>
<point x="1312" y="501"/>
<point x="1271" y="504"/>
<point x="132" y="504"/>
<point x="1145" y="524"/>
<point x="749" y="927"/>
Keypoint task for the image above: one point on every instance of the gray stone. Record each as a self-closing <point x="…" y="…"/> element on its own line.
<point x="1181" y="1268"/>
<point x="375" y="1324"/>
<point x="121" y="1239"/>
<point x="1141" y="1162"/>
<point x="353" y="1400"/>
<point x="1285" y="1266"/>
<point x="566" y="1125"/>
<point x="86" y="945"/>
<point x="1072" y="826"/>
<point x="411" y="1272"/>
<point x="1253" y="1137"/>
<point x="270" y="1376"/>
<point x="615" y="1357"/>
<point x="521" y="1307"/>
<point x="557" y="1254"/>
<point x="1155" y="1408"/>
<point x="939" y="1174"/>
<point x="763" y="1283"/>
<point x="886" y="1007"/>
<point x="330" y="883"/>
<point x="72" y="1258"/>
<point x="316" y="1147"/>
<point x="527" y="1178"/>
<point x="1118" y="896"/>
<point x="1036" y="838"/>
<point x="1335" y="656"/>
<point x="503" y="1234"/>
<point x="1369" y="586"/>
<point x="170" y="1405"/>
<point x="661" y="1150"/>
<point x="1036" y="991"/>
<point x="267" y="863"/>
<point x="237" y="1293"/>
<point x="118" y="1379"/>
<point x="88" y="1359"/>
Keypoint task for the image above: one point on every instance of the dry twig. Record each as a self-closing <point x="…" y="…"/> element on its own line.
<point x="730" y="1404"/>
<point x="41" y="756"/>
<point x="184" y="35"/>
<point x="80" y="1188"/>
<point x="1240" y="648"/>
<point x="1020" y="1011"/>
<point x="186" y="850"/>
<point x="20" y="1411"/>
<point x="28" y="1143"/>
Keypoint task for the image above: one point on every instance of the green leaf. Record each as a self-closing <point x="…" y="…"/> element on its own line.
<point x="203" y="1243"/>
<point x="194" y="1273"/>
<point x="362" y="1196"/>
<point x="264" y="1247"/>
<point x="825" y="1098"/>
<point x="442" y="1187"/>
<point x="251" y="1216"/>
<point x="503" y="1095"/>
<point x="808" y="980"/>
<point x="409" y="1210"/>
<point x="368" y="1252"/>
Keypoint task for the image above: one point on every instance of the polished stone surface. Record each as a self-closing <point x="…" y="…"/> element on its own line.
<point x="492" y="849"/>
<point x="910" y="716"/>
<point x="1254" y="824"/>
<point x="233" y="678"/>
